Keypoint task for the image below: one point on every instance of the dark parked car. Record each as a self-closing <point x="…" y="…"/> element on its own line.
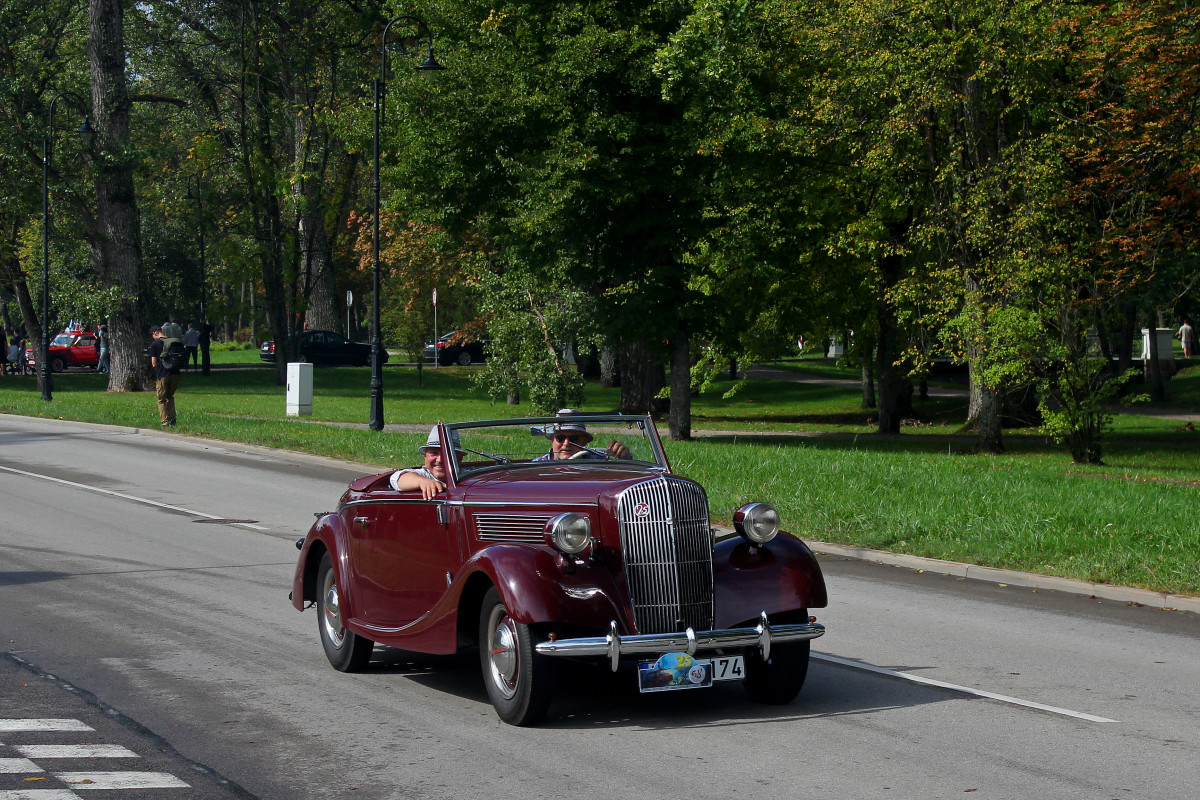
<point x="71" y="348"/>
<point x="539" y="563"/>
<point x="457" y="347"/>
<point x="326" y="348"/>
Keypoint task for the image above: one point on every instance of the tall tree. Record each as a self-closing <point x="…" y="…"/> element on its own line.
<point x="116" y="248"/>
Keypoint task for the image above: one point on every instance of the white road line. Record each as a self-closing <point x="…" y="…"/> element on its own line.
<point x="1016" y="701"/>
<point x="120" y="780"/>
<point x="12" y="766"/>
<point x="124" y="496"/>
<point x="38" y="794"/>
<point x="24" y="725"/>
<point x="74" y="751"/>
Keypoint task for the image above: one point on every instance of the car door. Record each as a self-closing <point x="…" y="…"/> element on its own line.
<point x="401" y="557"/>
<point x="312" y="347"/>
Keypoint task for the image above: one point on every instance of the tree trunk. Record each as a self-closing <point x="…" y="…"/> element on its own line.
<point x="641" y="378"/>
<point x="609" y="367"/>
<point x="1125" y="342"/>
<point x="1153" y="367"/>
<point x="868" y="378"/>
<point x="116" y="250"/>
<point x="895" y="398"/>
<point x="680" y="420"/>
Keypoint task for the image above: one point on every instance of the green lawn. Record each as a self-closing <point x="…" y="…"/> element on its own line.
<point x="1131" y="521"/>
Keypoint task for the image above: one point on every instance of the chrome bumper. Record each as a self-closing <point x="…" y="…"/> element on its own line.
<point x="615" y="646"/>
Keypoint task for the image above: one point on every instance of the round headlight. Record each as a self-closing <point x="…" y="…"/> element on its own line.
<point x="571" y="533"/>
<point x="757" y="522"/>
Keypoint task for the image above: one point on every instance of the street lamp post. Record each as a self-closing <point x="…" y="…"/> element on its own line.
<point x="84" y="129"/>
<point x="409" y="46"/>
<point x="199" y="199"/>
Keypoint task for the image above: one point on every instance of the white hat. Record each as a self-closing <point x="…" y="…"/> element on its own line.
<point x="567" y="426"/>
<point x="432" y="443"/>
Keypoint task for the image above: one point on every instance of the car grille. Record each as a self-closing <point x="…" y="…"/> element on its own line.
<point x="667" y="547"/>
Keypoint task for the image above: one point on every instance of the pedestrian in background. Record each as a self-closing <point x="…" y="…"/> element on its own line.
<point x="172" y="329"/>
<point x="166" y="379"/>
<point x="102" y="346"/>
<point x="3" y="351"/>
<point x="205" y="342"/>
<point x="1187" y="337"/>
<point x="191" y="343"/>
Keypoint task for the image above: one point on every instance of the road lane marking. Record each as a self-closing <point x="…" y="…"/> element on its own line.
<point x="120" y="780"/>
<point x="123" y="496"/>
<point x="12" y="766"/>
<point x="28" y="725"/>
<point x="39" y="794"/>
<point x="74" y="751"/>
<point x="1066" y="712"/>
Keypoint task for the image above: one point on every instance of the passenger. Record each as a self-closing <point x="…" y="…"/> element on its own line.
<point x="431" y="478"/>
<point x="568" y="440"/>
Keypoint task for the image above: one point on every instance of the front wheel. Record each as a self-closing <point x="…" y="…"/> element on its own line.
<point x="778" y="681"/>
<point x="520" y="683"/>
<point x="58" y="364"/>
<point x="464" y="359"/>
<point x="346" y="650"/>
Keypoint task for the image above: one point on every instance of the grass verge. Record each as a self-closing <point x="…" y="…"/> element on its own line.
<point x="806" y="447"/>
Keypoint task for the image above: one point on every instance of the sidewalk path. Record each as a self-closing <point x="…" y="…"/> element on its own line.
<point x="765" y="372"/>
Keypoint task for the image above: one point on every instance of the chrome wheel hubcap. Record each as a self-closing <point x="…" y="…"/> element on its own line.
<point x="331" y="616"/>
<point x="502" y="653"/>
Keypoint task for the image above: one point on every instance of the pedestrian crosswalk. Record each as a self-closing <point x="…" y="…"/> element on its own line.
<point x="34" y="768"/>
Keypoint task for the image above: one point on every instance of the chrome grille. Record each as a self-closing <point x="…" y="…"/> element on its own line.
<point x="667" y="546"/>
<point x="510" y="527"/>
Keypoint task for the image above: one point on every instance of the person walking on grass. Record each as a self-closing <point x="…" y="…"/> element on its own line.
<point x="191" y="343"/>
<point x="166" y="378"/>
<point x="1187" y="337"/>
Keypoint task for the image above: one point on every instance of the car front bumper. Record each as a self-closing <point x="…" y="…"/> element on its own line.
<point x="615" y="646"/>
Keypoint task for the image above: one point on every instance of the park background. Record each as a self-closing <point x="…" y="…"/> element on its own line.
<point x="636" y="201"/>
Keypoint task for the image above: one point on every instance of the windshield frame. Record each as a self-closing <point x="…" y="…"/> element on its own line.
<point x="641" y="424"/>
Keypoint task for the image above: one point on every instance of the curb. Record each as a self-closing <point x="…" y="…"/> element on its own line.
<point x="1106" y="591"/>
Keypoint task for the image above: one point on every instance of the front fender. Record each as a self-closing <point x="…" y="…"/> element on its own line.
<point x="540" y="585"/>
<point x="782" y="575"/>
<point x="328" y="534"/>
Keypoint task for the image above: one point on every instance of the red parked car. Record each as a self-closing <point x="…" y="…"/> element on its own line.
<point x="535" y="561"/>
<point x="71" y="348"/>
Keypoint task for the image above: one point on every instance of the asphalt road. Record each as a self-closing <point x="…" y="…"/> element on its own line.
<point x="144" y="582"/>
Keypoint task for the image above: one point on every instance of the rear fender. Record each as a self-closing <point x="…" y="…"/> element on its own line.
<point x="782" y="575"/>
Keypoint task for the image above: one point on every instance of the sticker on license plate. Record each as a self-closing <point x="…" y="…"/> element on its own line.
<point x="681" y="671"/>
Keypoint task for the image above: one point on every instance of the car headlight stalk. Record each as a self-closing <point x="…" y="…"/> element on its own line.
<point x="756" y="522"/>
<point x="570" y="533"/>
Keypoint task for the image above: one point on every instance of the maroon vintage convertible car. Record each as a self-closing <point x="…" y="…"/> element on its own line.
<point x="602" y="554"/>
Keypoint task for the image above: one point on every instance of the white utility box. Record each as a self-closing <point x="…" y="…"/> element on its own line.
<point x="1166" y="351"/>
<point x="299" y="389"/>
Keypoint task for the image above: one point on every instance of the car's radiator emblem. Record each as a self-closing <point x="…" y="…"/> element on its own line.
<point x="641" y="510"/>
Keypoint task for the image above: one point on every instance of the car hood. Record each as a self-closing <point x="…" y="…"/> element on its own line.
<point x="554" y="483"/>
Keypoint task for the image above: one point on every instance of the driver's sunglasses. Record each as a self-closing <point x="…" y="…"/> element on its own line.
<point x="566" y="437"/>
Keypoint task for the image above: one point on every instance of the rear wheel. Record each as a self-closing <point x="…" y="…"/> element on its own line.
<point x="520" y="682"/>
<point x="346" y="650"/>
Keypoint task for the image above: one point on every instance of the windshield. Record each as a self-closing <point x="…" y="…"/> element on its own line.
<point x="593" y="440"/>
<point x="63" y="340"/>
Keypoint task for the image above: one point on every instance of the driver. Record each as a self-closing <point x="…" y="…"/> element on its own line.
<point x="568" y="440"/>
<point x="429" y="479"/>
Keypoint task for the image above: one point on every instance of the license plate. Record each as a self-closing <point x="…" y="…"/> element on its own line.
<point x="680" y="671"/>
<point x="728" y="668"/>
